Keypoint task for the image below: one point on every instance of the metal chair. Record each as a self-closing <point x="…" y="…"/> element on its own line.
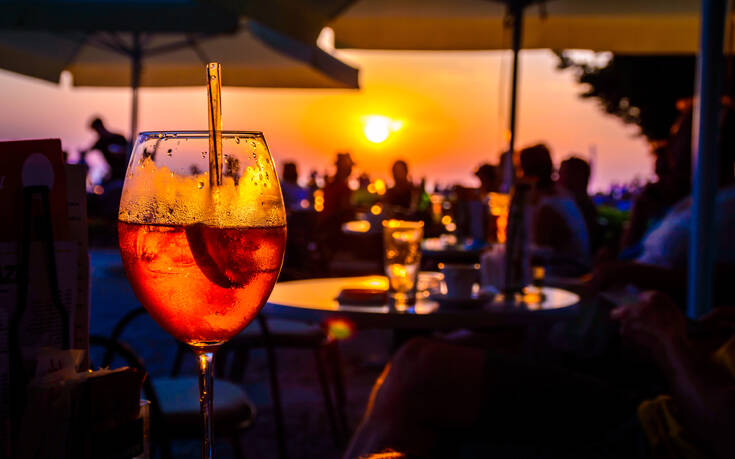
<point x="270" y="334"/>
<point x="175" y="402"/>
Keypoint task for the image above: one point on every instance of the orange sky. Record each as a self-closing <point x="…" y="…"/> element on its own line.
<point x="452" y="105"/>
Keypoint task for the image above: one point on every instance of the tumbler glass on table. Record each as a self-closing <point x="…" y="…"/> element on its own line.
<point x="202" y="255"/>
<point x="402" y="255"/>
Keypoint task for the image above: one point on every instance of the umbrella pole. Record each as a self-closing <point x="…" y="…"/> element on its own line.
<point x="517" y="15"/>
<point x="703" y="235"/>
<point x="511" y="241"/>
<point x="136" y="58"/>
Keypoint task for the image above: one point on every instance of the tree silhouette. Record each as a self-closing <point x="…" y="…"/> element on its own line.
<point x="641" y="90"/>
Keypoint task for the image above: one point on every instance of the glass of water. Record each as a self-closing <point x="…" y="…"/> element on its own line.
<point x="402" y="259"/>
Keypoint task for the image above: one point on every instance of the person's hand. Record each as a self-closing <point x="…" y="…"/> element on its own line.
<point x="607" y="275"/>
<point x="653" y="325"/>
<point x="605" y="255"/>
<point x="722" y="318"/>
<point x="714" y="329"/>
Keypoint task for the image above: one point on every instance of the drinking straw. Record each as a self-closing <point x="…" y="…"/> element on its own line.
<point x="214" y="93"/>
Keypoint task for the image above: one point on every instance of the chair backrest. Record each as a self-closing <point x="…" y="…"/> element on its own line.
<point x="114" y="348"/>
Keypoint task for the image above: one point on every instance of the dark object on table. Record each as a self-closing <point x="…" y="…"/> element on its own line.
<point x="475" y="301"/>
<point x="363" y="297"/>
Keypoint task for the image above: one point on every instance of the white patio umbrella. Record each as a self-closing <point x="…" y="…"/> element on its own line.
<point x="302" y="20"/>
<point x="622" y="26"/>
<point x="255" y="56"/>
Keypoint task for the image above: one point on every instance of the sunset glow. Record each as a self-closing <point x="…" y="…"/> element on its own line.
<point x="443" y="124"/>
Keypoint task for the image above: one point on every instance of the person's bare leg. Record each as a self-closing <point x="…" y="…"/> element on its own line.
<point x="428" y="386"/>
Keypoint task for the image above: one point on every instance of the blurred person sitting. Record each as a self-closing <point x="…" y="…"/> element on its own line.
<point x="362" y="197"/>
<point x="114" y="148"/>
<point x="555" y="220"/>
<point x="438" y="399"/>
<point x="574" y="176"/>
<point x="471" y="207"/>
<point x="294" y="195"/>
<point x="673" y="169"/>
<point x="662" y="260"/>
<point x="403" y="191"/>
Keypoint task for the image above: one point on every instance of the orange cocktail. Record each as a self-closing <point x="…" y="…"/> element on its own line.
<point x="201" y="283"/>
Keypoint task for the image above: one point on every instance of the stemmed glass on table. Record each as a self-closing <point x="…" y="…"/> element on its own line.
<point x="202" y="253"/>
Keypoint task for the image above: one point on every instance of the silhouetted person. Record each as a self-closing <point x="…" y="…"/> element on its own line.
<point x="313" y="185"/>
<point x="293" y="193"/>
<point x="488" y="175"/>
<point x="574" y="176"/>
<point x="556" y="221"/>
<point x="401" y="193"/>
<point x="362" y="197"/>
<point x="337" y="192"/>
<point x="114" y="148"/>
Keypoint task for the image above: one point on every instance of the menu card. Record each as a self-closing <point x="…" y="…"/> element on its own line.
<point x="40" y="163"/>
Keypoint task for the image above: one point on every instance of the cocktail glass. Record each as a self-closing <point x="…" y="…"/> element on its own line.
<point x="202" y="255"/>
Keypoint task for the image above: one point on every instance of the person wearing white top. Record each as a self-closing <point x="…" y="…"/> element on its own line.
<point x="667" y="246"/>
<point x="555" y="220"/>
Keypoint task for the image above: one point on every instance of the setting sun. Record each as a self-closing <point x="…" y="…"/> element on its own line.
<point x="378" y="128"/>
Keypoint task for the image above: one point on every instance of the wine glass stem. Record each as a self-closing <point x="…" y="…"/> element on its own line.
<point x="206" y="367"/>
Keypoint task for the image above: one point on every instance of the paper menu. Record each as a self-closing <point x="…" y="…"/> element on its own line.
<point x="76" y="198"/>
<point x="29" y="163"/>
<point x="26" y="163"/>
<point x="41" y="325"/>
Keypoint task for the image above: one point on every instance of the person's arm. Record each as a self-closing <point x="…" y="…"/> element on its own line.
<point x="651" y="277"/>
<point x="719" y="319"/>
<point x="704" y="393"/>
<point x="97" y="145"/>
<point x="724" y="273"/>
<point x="549" y="228"/>
<point x="643" y="276"/>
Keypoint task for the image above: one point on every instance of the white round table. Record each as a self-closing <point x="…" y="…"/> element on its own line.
<point x="314" y="300"/>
